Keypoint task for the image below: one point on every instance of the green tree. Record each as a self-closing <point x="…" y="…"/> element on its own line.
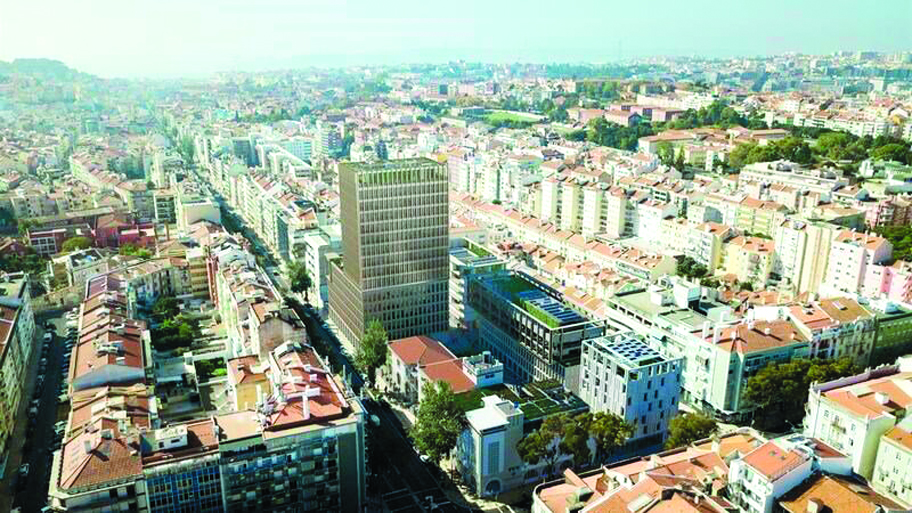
<point x="542" y="444"/>
<point x="75" y="244"/>
<point x="894" y="152"/>
<point x="299" y="278"/>
<point x="166" y="308"/>
<point x="134" y="250"/>
<point x="666" y="153"/>
<point x="610" y="433"/>
<point x="687" y="428"/>
<point x="373" y="350"/>
<point x="439" y="422"/>
<point x="779" y="390"/>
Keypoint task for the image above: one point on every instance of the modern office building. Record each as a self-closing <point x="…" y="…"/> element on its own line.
<point x="527" y="326"/>
<point x="395" y="242"/>
<point x="623" y="375"/>
<point x="465" y="262"/>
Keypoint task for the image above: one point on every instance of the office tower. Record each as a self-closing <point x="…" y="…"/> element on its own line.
<point x="395" y="239"/>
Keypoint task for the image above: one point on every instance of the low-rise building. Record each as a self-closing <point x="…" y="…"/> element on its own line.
<point x="852" y="414"/>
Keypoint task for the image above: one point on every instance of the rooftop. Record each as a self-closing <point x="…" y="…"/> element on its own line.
<point x="836" y="494"/>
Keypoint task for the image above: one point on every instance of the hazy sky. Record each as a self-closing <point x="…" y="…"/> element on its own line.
<point x="163" y="38"/>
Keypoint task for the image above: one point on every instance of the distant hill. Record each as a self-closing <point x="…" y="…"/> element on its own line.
<point x="39" y="67"/>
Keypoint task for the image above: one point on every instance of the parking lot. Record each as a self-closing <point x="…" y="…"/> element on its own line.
<point x="42" y="436"/>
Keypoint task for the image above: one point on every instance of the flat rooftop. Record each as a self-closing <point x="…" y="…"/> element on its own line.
<point x="631" y="351"/>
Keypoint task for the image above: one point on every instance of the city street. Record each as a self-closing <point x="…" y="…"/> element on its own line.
<point x="400" y="481"/>
<point x="36" y="438"/>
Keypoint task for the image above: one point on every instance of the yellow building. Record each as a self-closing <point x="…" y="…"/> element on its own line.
<point x="750" y="259"/>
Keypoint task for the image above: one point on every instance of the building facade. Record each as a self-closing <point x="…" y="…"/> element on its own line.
<point x="395" y="242"/>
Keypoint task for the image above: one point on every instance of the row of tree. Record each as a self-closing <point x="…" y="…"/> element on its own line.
<point x="779" y="391"/>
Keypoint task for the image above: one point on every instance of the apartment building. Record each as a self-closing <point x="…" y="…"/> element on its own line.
<point x="526" y="325"/>
<point x="822" y="181"/>
<point x="836" y="328"/>
<point x="852" y="254"/>
<point x="623" y="375"/>
<point x="706" y="244"/>
<point x="17" y="350"/>
<point x="803" y="252"/>
<point x="395" y="242"/>
<point x="767" y="473"/>
<point x="852" y="414"/>
<point x="750" y="259"/>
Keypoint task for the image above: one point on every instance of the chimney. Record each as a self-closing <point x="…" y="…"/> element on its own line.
<point x="87" y="446"/>
<point x="881" y="398"/>
<point x="767" y="330"/>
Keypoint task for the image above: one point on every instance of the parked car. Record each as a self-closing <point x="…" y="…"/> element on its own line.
<point x="24" y="470"/>
<point x="48" y="336"/>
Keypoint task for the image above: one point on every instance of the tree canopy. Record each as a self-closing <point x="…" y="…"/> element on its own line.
<point x="75" y="244"/>
<point x="134" y="250"/>
<point x="439" y="422"/>
<point x="567" y="435"/>
<point x="687" y="428"/>
<point x="299" y="278"/>
<point x="603" y="132"/>
<point x="900" y="237"/>
<point x="780" y="390"/>
<point x="373" y="350"/>
<point x="691" y="269"/>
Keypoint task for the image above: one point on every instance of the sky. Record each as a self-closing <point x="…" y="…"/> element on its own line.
<point x="171" y="38"/>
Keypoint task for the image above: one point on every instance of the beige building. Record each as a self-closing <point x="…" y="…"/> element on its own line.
<point x="750" y="259"/>
<point x="17" y="344"/>
<point x="395" y="244"/>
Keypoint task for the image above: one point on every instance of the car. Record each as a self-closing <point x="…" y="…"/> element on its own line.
<point x="24" y="470"/>
<point x="48" y="336"/>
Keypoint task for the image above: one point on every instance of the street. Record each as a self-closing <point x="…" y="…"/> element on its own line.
<point x="38" y="436"/>
<point x="400" y="481"/>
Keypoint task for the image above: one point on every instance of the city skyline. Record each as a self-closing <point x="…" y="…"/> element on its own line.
<point x="176" y="40"/>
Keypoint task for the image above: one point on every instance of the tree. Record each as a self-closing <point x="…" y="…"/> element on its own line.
<point x="439" y="422"/>
<point x="75" y="244"/>
<point x="895" y="152"/>
<point x="165" y="308"/>
<point x="299" y="278"/>
<point x="134" y="250"/>
<point x="542" y="444"/>
<point x="687" y="428"/>
<point x="610" y="433"/>
<point x="779" y="390"/>
<point x="373" y="350"/>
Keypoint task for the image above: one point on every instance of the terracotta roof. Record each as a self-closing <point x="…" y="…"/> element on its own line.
<point x="743" y="338"/>
<point x="450" y="371"/>
<point x="836" y="494"/>
<point x="773" y="461"/>
<point x="420" y="351"/>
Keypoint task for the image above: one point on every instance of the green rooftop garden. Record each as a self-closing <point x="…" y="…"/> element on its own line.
<point x="543" y="316"/>
<point x="471" y="400"/>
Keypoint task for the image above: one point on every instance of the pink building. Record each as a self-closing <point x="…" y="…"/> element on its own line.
<point x="889" y="212"/>
<point x="893" y="282"/>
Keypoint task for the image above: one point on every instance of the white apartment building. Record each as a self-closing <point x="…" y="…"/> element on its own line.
<point x="623" y="375"/>
<point x="852" y="414"/>
<point x="765" y="474"/>
<point x="851" y="256"/>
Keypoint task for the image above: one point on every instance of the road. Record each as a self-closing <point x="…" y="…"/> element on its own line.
<point x="400" y="481"/>
<point x="40" y="436"/>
